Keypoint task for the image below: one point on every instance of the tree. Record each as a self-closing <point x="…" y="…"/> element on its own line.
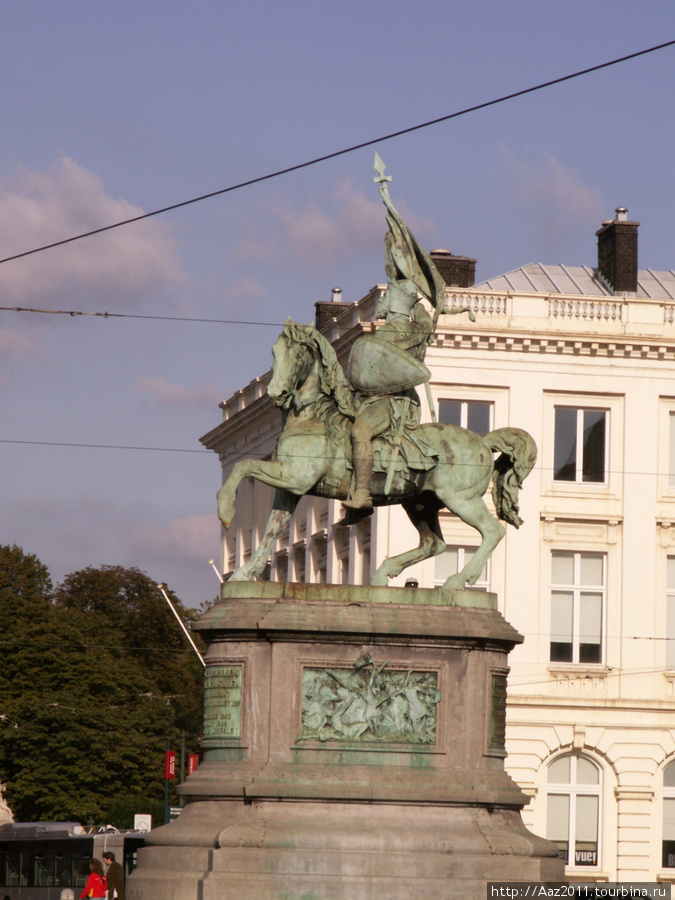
<point x="25" y="586"/>
<point x="98" y="677"/>
<point x="125" y="611"/>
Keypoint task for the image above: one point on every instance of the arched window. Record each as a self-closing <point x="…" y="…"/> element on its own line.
<point x="573" y="809"/>
<point x="668" y="835"/>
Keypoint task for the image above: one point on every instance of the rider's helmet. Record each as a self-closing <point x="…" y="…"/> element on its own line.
<point x="401" y="296"/>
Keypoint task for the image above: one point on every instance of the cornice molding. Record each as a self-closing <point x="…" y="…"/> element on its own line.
<point x="572" y="345"/>
<point x="228" y="431"/>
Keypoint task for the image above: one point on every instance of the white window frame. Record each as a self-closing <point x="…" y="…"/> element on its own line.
<point x="669" y="630"/>
<point x="667" y="793"/>
<point x="613" y="406"/>
<point x="464" y="410"/>
<point x="483" y="584"/>
<point x="496" y="395"/>
<point x="666" y="448"/>
<point x="579" y="440"/>
<point x="573" y="789"/>
<point x="577" y="589"/>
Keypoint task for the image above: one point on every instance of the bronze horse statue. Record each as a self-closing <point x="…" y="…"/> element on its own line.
<point x="312" y="457"/>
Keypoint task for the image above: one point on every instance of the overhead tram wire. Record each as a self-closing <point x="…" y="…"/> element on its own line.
<point x="111" y="315"/>
<point x="237" y="454"/>
<point x="337" y="153"/>
<point x="102" y="446"/>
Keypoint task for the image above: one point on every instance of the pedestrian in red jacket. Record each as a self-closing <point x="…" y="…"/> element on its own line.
<point x="96" y="884"/>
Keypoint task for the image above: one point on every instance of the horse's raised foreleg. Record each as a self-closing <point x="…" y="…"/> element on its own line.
<point x="282" y="510"/>
<point x="474" y="512"/>
<point x="425" y="520"/>
<point x="273" y="472"/>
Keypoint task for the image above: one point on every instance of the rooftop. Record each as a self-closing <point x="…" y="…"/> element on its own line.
<point x="577" y="280"/>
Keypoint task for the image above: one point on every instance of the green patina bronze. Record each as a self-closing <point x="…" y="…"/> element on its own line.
<point x="497" y="735"/>
<point x="369" y="703"/>
<point x="371" y="450"/>
<point x="222" y="701"/>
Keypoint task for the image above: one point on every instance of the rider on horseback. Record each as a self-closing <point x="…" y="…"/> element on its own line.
<point x="390" y="377"/>
<point x="397" y="408"/>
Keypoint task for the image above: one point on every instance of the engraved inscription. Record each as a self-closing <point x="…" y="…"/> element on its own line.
<point x="497" y="739"/>
<point x="222" y="701"/>
<point x="367" y="704"/>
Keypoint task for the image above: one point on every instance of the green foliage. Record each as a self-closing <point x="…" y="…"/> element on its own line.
<point x="122" y="809"/>
<point x="98" y="676"/>
<point x="25" y="586"/>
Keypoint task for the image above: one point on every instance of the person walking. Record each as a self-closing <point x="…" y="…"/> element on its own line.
<point x="96" y="883"/>
<point x="114" y="875"/>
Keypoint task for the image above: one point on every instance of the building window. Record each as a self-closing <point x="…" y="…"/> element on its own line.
<point x="577" y="603"/>
<point x="573" y="809"/>
<point x="476" y="415"/>
<point x="363" y="546"/>
<point x="341" y="543"/>
<point x="670" y="613"/>
<point x="452" y="561"/>
<point x="281" y="566"/>
<point x="299" y="555"/>
<point x="580" y="445"/>
<point x="319" y="557"/>
<point x="671" y="449"/>
<point x="668" y="836"/>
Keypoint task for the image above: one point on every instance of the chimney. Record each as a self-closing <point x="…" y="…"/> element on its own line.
<point x="457" y="271"/>
<point x="618" y="253"/>
<point x="327" y="311"/>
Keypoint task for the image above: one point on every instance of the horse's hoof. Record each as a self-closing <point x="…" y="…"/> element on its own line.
<point x="240" y="576"/>
<point x="454" y="583"/>
<point x="380" y="579"/>
<point x="226" y="517"/>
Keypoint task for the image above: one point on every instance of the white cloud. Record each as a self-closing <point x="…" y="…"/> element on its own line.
<point x="350" y="223"/>
<point x="38" y="208"/>
<point x="247" y="290"/>
<point x="167" y="394"/>
<point x="93" y="531"/>
<point x="558" y="197"/>
<point x="193" y="538"/>
<point x="258" y="249"/>
<point x="13" y="344"/>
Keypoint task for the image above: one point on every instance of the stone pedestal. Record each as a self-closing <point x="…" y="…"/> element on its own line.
<point x="354" y="748"/>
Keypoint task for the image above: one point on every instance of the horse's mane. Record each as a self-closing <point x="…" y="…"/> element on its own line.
<point x="333" y="381"/>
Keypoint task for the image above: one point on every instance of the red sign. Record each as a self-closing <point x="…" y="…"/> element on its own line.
<point x="170" y="764"/>
<point x="193" y="762"/>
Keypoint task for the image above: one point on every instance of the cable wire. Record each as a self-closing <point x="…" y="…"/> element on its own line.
<point x="344" y="151"/>
<point x="111" y="315"/>
<point x="236" y="455"/>
<point x="103" y="446"/>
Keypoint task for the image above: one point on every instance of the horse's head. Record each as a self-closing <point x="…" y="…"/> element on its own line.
<point x="293" y="362"/>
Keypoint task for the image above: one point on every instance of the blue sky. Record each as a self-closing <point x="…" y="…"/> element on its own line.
<point x="111" y="109"/>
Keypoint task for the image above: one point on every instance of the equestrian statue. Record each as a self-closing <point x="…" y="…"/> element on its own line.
<point x="360" y="440"/>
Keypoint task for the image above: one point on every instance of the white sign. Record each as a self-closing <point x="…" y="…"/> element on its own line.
<point x="142" y="822"/>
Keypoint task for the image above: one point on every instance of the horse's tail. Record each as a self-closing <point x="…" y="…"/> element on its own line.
<point x="518" y="456"/>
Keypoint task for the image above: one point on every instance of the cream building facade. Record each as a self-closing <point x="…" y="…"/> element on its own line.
<point x="584" y="359"/>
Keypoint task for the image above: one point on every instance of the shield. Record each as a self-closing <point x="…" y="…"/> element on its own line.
<point x="378" y="367"/>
